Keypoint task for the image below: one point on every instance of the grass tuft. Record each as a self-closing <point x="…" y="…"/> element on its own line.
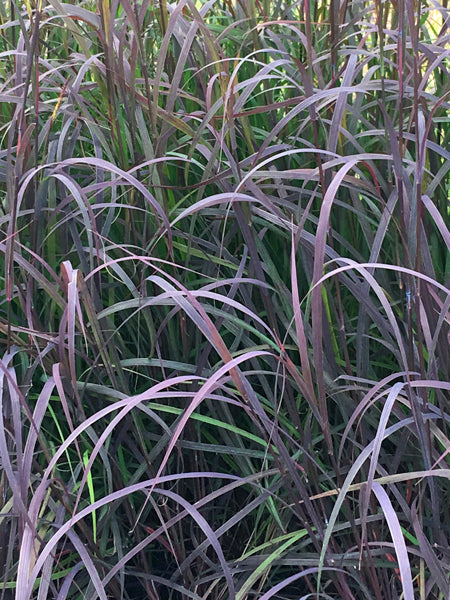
<point x="225" y="309"/>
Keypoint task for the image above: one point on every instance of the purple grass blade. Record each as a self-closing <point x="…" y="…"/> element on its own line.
<point x="385" y="414"/>
<point x="316" y="294"/>
<point x="398" y="539"/>
<point x="438" y="219"/>
<point x="302" y="344"/>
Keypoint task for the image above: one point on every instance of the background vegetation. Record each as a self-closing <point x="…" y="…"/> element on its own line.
<point x="225" y="299"/>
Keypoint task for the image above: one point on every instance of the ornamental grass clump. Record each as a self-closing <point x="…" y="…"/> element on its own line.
<point x="225" y="303"/>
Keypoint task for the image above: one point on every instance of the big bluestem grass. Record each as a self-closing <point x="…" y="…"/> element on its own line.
<point x="225" y="306"/>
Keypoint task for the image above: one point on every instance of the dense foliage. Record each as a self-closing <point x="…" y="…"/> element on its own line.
<point x="225" y="304"/>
